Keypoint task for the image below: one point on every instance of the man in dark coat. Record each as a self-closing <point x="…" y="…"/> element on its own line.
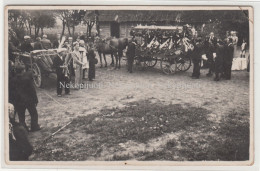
<point x="212" y="42"/>
<point x="196" y="58"/>
<point x="25" y="97"/>
<point x="92" y="62"/>
<point x="38" y="44"/>
<point x="26" y="45"/>
<point x="130" y="55"/>
<point x="59" y="63"/>
<point x="19" y="146"/>
<point x="220" y="54"/>
<point x="228" y="59"/>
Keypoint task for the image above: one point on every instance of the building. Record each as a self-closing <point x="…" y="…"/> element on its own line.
<point x="119" y="23"/>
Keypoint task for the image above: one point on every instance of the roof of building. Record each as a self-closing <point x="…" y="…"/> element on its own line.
<point x="192" y="16"/>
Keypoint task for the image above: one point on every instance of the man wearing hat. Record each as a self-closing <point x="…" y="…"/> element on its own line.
<point x="59" y="62"/>
<point x="46" y="43"/>
<point x="26" y="45"/>
<point x="25" y="96"/>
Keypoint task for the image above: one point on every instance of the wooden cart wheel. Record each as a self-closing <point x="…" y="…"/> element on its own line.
<point x="37" y="75"/>
<point x="151" y="62"/>
<point x="168" y="65"/>
<point x="183" y="63"/>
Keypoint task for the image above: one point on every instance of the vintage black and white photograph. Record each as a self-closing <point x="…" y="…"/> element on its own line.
<point x="129" y="84"/>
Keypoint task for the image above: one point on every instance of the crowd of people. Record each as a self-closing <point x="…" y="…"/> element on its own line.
<point x="73" y="59"/>
<point x="216" y="53"/>
<point x="76" y="59"/>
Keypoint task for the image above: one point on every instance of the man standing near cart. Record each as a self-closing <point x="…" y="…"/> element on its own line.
<point x="131" y="54"/>
<point x="60" y="63"/>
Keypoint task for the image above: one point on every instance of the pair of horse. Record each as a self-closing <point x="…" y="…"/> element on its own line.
<point x="112" y="46"/>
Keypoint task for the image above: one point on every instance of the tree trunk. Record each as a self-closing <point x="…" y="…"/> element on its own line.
<point x="73" y="31"/>
<point x="42" y="31"/>
<point x="63" y="27"/>
<point x="68" y="28"/>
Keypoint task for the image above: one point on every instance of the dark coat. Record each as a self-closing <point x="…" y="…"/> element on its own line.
<point x="38" y="46"/>
<point x="57" y="62"/>
<point x="92" y="61"/>
<point x="56" y="43"/>
<point x="229" y="51"/>
<point x="197" y="52"/>
<point x="220" y="52"/>
<point x="131" y="50"/>
<point x="25" y="92"/>
<point x="19" y="148"/>
<point x="26" y="47"/>
<point x="46" y="43"/>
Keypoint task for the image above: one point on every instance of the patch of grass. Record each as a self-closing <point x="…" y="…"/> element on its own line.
<point x="231" y="143"/>
<point x="200" y="139"/>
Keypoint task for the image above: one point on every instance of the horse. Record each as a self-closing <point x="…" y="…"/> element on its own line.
<point x="112" y="46"/>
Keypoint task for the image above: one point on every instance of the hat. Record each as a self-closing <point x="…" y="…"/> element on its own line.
<point x="70" y="38"/>
<point x="44" y="36"/>
<point x="26" y="37"/>
<point x="81" y="42"/>
<point x="38" y="38"/>
<point x="75" y="43"/>
<point x="61" y="50"/>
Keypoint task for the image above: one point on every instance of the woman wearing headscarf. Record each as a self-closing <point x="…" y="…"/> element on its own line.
<point x="77" y="65"/>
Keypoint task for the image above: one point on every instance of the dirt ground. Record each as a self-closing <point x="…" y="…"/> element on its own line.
<point x="117" y="88"/>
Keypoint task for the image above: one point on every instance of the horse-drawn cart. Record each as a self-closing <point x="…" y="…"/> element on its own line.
<point x="40" y="62"/>
<point x="167" y="44"/>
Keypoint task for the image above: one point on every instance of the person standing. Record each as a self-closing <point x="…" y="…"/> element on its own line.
<point x="25" y="97"/>
<point x="228" y="59"/>
<point x="196" y="58"/>
<point x="92" y="62"/>
<point x="38" y="44"/>
<point x="77" y="65"/>
<point x="130" y="53"/>
<point x="62" y="77"/>
<point x="234" y="41"/>
<point x="83" y="51"/>
<point x="243" y="49"/>
<point x="26" y="45"/>
<point x="46" y="43"/>
<point x="220" y="53"/>
<point x="19" y="146"/>
<point x="212" y="41"/>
